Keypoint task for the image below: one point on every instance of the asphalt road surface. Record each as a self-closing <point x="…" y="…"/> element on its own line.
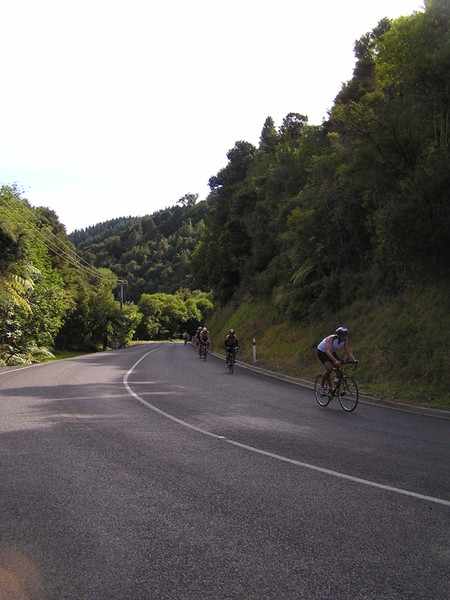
<point x="150" y="474"/>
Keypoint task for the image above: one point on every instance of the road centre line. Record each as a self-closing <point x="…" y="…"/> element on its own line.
<point x="271" y="454"/>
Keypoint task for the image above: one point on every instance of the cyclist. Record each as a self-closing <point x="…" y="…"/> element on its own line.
<point x="231" y="344"/>
<point x="197" y="337"/>
<point x="203" y="339"/>
<point x="326" y="352"/>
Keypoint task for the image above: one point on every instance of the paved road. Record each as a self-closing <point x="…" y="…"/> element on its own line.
<point x="149" y="474"/>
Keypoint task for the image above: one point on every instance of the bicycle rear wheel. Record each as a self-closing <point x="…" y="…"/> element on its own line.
<point x="348" y="394"/>
<point x="324" y="399"/>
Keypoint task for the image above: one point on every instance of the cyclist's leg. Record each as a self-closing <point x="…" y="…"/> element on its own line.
<point x="322" y="392"/>
<point x="232" y="359"/>
<point x="335" y="381"/>
<point x="327" y="372"/>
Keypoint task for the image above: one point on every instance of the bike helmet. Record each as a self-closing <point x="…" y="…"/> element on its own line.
<point x="205" y="330"/>
<point x="231" y="331"/>
<point x="342" y="331"/>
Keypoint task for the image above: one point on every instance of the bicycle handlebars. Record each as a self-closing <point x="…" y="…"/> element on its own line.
<point x="347" y="361"/>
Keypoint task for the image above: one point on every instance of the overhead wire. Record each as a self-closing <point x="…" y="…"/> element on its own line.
<point x="58" y="247"/>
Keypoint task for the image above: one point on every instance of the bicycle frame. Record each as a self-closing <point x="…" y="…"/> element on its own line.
<point x="203" y="349"/>
<point x="346" y="388"/>
<point x="231" y="360"/>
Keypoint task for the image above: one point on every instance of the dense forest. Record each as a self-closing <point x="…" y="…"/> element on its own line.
<point x="152" y="253"/>
<point x="316" y="215"/>
<point x="314" y="218"/>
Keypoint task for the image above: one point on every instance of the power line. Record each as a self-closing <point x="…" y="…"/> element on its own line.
<point x="60" y="248"/>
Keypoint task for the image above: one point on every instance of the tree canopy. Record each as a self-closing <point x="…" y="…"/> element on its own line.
<point x="316" y="215"/>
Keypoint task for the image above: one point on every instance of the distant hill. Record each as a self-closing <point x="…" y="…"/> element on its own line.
<point x="152" y="253"/>
<point x="97" y="233"/>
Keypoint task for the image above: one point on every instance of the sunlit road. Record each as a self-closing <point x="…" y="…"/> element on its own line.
<point x="149" y="474"/>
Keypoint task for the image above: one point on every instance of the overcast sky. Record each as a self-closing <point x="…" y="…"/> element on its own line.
<point x="110" y="108"/>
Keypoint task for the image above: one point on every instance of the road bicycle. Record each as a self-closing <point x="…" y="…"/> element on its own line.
<point x="231" y="360"/>
<point x="203" y="350"/>
<point x="346" y="389"/>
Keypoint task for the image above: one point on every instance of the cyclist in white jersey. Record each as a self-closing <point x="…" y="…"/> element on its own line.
<point x="326" y="351"/>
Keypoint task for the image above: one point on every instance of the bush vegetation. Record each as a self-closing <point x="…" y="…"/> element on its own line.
<point x="400" y="342"/>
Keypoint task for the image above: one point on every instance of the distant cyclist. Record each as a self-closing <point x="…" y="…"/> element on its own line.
<point x="326" y="352"/>
<point x="197" y="337"/>
<point x="231" y="344"/>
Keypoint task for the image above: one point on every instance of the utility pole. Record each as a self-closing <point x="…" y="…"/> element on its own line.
<point x="121" y="282"/>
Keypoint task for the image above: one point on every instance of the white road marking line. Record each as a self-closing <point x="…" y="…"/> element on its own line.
<point x="271" y="454"/>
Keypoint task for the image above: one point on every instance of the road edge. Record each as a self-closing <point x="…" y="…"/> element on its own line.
<point x="364" y="398"/>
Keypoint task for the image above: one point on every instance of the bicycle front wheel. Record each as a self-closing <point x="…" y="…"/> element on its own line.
<point x="348" y="394"/>
<point x="322" y="398"/>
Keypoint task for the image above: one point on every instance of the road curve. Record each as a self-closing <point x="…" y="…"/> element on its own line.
<point x="148" y="473"/>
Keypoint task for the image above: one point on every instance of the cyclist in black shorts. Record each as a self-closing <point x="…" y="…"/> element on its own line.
<point x="326" y="352"/>
<point x="231" y="344"/>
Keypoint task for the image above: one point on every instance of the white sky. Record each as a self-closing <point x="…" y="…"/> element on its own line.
<point x="110" y="108"/>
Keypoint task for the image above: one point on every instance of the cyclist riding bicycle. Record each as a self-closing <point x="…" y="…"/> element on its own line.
<point x="197" y="337"/>
<point x="204" y="337"/>
<point x="326" y="352"/>
<point x="231" y="344"/>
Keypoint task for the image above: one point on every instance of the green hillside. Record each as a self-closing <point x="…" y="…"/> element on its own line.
<point x="402" y="343"/>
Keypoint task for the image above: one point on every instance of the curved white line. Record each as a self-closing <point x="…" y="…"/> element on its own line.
<point x="271" y="454"/>
<point x="12" y="370"/>
<point x="157" y="410"/>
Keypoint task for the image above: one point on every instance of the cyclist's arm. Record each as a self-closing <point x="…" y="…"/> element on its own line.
<point x="348" y="351"/>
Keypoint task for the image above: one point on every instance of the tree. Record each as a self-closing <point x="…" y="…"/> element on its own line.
<point x="292" y="127"/>
<point x="188" y="200"/>
<point x="163" y="316"/>
<point x="412" y="67"/>
<point x="15" y="267"/>
<point x="240" y="158"/>
<point x="33" y="301"/>
<point x="269" y="136"/>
